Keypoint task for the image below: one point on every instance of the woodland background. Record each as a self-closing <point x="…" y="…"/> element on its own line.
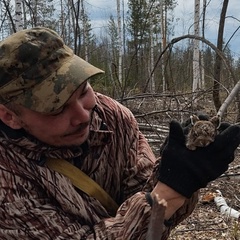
<point x="155" y="76"/>
<point x="135" y="51"/>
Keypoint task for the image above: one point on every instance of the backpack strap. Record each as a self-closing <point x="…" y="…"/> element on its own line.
<point x="83" y="182"/>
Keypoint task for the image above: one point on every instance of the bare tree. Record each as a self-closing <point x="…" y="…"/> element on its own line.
<point x="164" y="26"/>
<point x="151" y="59"/>
<point x="77" y="36"/>
<point x="6" y="4"/>
<point x="218" y="61"/>
<point x="196" y="55"/>
<point x="202" y="67"/>
<point x="18" y="15"/>
<point x="85" y="31"/>
<point x="120" y="43"/>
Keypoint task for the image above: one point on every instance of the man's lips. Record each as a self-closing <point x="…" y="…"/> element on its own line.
<point x="79" y="130"/>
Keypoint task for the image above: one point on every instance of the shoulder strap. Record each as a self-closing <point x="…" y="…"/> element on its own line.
<point x="80" y="180"/>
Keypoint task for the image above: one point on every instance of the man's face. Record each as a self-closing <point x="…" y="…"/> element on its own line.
<point x="68" y="126"/>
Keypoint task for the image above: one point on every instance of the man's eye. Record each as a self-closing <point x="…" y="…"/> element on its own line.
<point x="84" y="92"/>
<point x="58" y="111"/>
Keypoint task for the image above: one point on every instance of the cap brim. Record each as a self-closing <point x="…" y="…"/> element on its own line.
<point x="54" y="91"/>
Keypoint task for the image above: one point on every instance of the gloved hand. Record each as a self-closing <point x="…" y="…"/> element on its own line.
<point x="187" y="171"/>
<point x="223" y="126"/>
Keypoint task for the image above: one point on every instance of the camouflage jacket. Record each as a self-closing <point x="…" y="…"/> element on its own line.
<point x="38" y="203"/>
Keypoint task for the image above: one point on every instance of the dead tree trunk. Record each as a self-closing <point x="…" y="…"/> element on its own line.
<point x="196" y="56"/>
<point x="218" y="61"/>
<point x="18" y="15"/>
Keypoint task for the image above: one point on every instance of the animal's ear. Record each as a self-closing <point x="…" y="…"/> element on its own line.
<point x="215" y="120"/>
<point x="194" y="118"/>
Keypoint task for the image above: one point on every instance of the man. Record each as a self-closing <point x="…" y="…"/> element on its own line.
<point x="48" y="110"/>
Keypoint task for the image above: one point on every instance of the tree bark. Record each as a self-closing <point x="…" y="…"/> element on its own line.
<point x="218" y="61"/>
<point x="19" y="15"/>
<point x="196" y="56"/>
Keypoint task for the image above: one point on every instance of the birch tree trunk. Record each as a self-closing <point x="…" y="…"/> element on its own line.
<point x="202" y="67"/>
<point x="196" y="56"/>
<point x="151" y="65"/>
<point x="18" y="15"/>
<point x="164" y="43"/>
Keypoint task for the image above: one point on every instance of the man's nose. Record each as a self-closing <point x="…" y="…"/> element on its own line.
<point x="79" y="114"/>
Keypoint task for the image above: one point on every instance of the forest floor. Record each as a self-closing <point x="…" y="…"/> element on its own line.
<point x="206" y="222"/>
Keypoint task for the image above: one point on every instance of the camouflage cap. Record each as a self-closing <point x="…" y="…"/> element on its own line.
<point x="38" y="71"/>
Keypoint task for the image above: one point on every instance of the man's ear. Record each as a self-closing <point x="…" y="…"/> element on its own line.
<point x="9" y="118"/>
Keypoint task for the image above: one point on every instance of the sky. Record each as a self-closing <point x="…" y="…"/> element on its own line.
<point x="184" y="11"/>
<point x="100" y="10"/>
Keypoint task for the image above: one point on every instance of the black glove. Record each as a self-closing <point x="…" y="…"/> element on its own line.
<point x="187" y="171"/>
<point x="223" y="126"/>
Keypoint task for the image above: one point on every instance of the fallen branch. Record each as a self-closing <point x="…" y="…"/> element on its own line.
<point x="205" y="229"/>
<point x="228" y="100"/>
<point x="153" y="128"/>
<point x="224" y="208"/>
<point x="231" y="176"/>
<point x="156" y="224"/>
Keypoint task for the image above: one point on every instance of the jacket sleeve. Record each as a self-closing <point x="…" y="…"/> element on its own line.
<point x="27" y="213"/>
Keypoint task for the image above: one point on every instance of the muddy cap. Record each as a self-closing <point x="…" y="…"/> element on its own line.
<point x="38" y="71"/>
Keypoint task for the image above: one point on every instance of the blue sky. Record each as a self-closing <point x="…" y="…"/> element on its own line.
<point x="100" y="10"/>
<point x="185" y="13"/>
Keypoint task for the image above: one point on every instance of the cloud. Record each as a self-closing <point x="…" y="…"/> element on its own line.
<point x="184" y="15"/>
<point x="100" y="12"/>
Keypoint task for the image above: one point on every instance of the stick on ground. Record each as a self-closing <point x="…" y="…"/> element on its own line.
<point x="156" y="224"/>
